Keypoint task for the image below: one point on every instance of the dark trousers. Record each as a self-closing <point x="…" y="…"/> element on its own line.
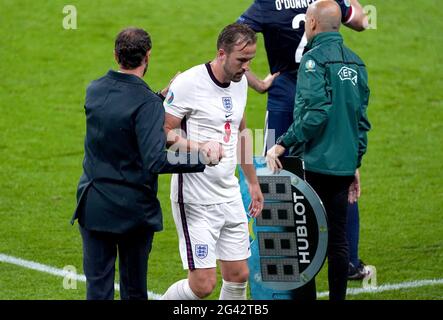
<point x="353" y="233"/>
<point x="333" y="191"/>
<point x="99" y="255"/>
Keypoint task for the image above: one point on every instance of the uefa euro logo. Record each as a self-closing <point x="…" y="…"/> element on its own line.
<point x="170" y="97"/>
<point x="310" y="66"/>
<point x="346" y="73"/>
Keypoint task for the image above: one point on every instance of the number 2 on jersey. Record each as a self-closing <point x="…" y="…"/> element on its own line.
<point x="304" y="41"/>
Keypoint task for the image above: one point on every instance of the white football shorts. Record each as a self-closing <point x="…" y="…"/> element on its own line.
<point x="211" y="232"/>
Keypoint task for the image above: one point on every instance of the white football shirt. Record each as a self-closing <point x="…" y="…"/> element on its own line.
<point x="213" y="111"/>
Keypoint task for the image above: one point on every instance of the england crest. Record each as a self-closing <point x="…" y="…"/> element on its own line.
<point x="201" y="251"/>
<point x="227" y="103"/>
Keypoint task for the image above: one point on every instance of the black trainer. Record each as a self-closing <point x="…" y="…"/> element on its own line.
<point x="359" y="272"/>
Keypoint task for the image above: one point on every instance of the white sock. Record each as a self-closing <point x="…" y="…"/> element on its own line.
<point x="233" y="291"/>
<point x="180" y="291"/>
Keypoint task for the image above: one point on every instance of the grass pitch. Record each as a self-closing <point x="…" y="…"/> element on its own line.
<point x="45" y="69"/>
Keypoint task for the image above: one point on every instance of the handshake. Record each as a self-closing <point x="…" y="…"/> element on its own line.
<point x="211" y="152"/>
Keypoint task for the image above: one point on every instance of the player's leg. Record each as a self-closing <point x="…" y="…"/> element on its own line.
<point x="358" y="270"/>
<point x="199" y="284"/>
<point x="198" y="231"/>
<point x="202" y="281"/>
<point x="133" y="251"/>
<point x="233" y="250"/>
<point x="235" y="276"/>
<point x="99" y="255"/>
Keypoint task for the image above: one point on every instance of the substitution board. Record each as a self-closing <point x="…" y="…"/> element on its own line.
<point x="289" y="239"/>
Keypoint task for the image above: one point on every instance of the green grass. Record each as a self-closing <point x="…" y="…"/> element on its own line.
<point x="44" y="72"/>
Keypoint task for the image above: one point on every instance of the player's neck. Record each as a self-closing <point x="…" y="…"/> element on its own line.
<point x="218" y="72"/>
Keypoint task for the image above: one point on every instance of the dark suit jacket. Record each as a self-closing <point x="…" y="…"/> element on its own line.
<point x="124" y="153"/>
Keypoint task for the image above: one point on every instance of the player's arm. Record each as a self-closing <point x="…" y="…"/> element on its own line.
<point x="211" y="150"/>
<point x="178" y="105"/>
<point x="175" y="139"/>
<point x="261" y="86"/>
<point x="245" y="150"/>
<point x="151" y="141"/>
<point x="357" y="19"/>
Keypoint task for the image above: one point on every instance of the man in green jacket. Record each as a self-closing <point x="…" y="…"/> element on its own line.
<point x="329" y="129"/>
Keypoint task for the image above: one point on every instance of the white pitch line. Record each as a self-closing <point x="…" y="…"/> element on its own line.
<point x="80" y="277"/>
<point x="388" y="287"/>
<point x="57" y="272"/>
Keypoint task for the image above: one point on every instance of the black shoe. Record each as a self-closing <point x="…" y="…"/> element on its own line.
<point x="359" y="272"/>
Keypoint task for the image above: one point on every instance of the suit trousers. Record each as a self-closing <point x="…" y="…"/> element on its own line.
<point x="99" y="257"/>
<point x="333" y="191"/>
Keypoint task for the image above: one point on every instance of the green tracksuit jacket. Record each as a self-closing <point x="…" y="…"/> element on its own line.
<point x="330" y="121"/>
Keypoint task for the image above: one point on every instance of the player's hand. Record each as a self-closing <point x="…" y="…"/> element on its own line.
<point x="266" y="83"/>
<point x="212" y="152"/>
<point x="256" y="206"/>
<point x="164" y="92"/>
<point x="354" y="189"/>
<point x="272" y="160"/>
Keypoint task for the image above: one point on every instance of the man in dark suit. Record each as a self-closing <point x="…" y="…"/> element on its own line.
<point x="117" y="205"/>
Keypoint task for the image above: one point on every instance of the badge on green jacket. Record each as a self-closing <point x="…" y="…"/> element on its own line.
<point x="310" y="66"/>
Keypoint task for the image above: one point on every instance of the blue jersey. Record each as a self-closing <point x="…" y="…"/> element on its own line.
<point x="282" y="24"/>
